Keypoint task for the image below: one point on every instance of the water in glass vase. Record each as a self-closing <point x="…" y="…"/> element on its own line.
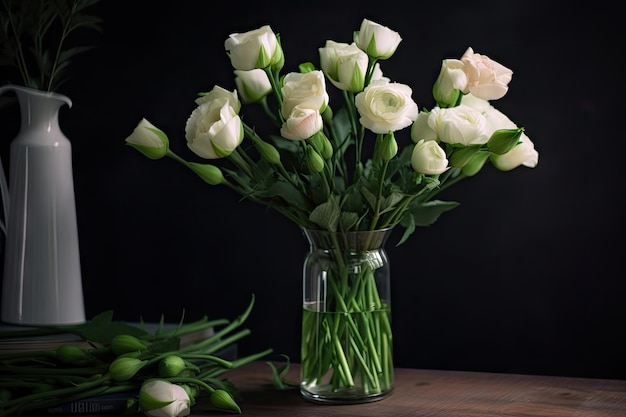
<point x="346" y="356"/>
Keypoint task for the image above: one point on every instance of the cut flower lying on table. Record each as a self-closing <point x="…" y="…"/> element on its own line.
<point x="165" y="375"/>
<point x="314" y="168"/>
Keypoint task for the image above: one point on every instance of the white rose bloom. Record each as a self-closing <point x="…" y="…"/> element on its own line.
<point x="385" y="106"/>
<point x="304" y="90"/>
<point x="158" y="391"/>
<point x="523" y="153"/>
<point x="221" y="93"/>
<point x="376" y="40"/>
<point x="421" y="129"/>
<point x="451" y="80"/>
<point x="486" y="79"/>
<point x="429" y="158"/>
<point x="214" y="129"/>
<point x="301" y="124"/>
<point x="257" y="48"/>
<point x="345" y="65"/>
<point x="252" y="85"/>
<point x="461" y="125"/>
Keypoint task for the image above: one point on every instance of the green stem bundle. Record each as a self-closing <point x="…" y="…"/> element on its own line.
<point x="37" y="380"/>
<point x="346" y="328"/>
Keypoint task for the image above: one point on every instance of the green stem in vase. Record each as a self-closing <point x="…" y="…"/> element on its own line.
<point x="347" y="337"/>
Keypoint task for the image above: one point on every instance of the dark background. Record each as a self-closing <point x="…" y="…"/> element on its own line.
<point x="525" y="276"/>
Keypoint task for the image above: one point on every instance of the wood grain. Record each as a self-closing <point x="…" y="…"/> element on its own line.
<point x="436" y="393"/>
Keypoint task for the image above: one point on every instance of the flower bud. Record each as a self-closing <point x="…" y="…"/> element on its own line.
<point x="376" y="40"/>
<point x="69" y="353"/>
<point x="428" y="158"/>
<point x="149" y="140"/>
<point x="314" y="159"/>
<point x="267" y="151"/>
<point x="389" y="147"/>
<point x="449" y="84"/>
<point x="322" y="145"/>
<point x="161" y="398"/>
<point x="503" y="140"/>
<point x="209" y="173"/>
<point x="125" y="343"/>
<point x="223" y="400"/>
<point x="123" y="369"/>
<point x="171" y="365"/>
<point x="475" y="164"/>
<point x="252" y="85"/>
<point x="462" y="155"/>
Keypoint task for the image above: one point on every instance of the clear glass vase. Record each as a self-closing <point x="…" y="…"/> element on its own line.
<point x="347" y="346"/>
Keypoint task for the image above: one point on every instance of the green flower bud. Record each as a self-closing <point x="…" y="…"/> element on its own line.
<point x="327" y="115"/>
<point x="314" y="159"/>
<point x="123" y="369"/>
<point x="171" y="366"/>
<point x="209" y="173"/>
<point x="503" y="140"/>
<point x="462" y="155"/>
<point x="278" y="59"/>
<point x="267" y="151"/>
<point x="125" y="343"/>
<point x="475" y="164"/>
<point x="322" y="145"/>
<point x="222" y="399"/>
<point x="389" y="147"/>
<point x="149" y="140"/>
<point x="69" y="353"/>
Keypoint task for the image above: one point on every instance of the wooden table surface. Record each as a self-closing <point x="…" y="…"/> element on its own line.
<point x="436" y="393"/>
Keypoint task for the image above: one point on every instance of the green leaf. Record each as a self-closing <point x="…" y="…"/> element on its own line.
<point x="326" y="215"/>
<point x="278" y="376"/>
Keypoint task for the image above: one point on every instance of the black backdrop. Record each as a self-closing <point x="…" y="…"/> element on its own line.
<point x="525" y="276"/>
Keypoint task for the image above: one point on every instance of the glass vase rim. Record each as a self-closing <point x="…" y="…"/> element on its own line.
<point x="355" y="240"/>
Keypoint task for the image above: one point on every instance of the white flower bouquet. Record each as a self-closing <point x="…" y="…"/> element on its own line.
<point x="343" y="168"/>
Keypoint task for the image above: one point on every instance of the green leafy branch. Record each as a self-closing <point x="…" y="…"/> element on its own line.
<point x="34" y="35"/>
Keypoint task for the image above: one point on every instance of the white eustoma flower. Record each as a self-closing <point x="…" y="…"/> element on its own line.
<point x="252" y="85"/>
<point x="450" y="82"/>
<point x="221" y="93"/>
<point x="385" y="106"/>
<point x="486" y="78"/>
<point x="421" y="129"/>
<point x="461" y="125"/>
<point x="428" y="158"/>
<point x="302" y="123"/>
<point x="524" y="153"/>
<point x="257" y="48"/>
<point x="377" y="74"/>
<point x="149" y="140"/>
<point x="214" y="129"/>
<point x="376" y="40"/>
<point x="304" y="90"/>
<point x="161" y="398"/>
<point x="344" y="64"/>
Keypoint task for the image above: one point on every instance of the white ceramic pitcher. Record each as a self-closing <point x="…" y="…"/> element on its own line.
<point x="42" y="282"/>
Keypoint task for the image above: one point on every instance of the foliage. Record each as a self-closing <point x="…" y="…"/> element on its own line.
<point x="34" y="35"/>
<point x="122" y="358"/>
